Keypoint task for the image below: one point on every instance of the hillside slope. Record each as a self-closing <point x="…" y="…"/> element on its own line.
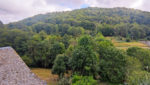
<point x="125" y="22"/>
<point x="101" y="15"/>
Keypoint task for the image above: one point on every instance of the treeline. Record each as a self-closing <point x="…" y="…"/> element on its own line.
<point x="128" y="23"/>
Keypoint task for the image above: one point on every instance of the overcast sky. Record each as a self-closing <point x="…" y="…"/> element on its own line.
<point x="14" y="10"/>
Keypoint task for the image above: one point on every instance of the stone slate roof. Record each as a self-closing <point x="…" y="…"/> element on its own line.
<point x="13" y="70"/>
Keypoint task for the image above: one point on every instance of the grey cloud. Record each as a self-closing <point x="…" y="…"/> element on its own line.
<point x="145" y="6"/>
<point x="111" y="3"/>
<point x="14" y="6"/>
<point x="67" y="3"/>
<point x="13" y="10"/>
<point x="137" y="4"/>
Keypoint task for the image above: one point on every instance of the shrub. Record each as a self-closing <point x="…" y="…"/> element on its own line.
<point x="135" y="75"/>
<point x="84" y="59"/>
<point x="27" y="60"/>
<point x="83" y="80"/>
<point x="139" y="78"/>
<point x="60" y="65"/>
<point x="64" y="81"/>
<point x="112" y="65"/>
<point x="57" y="48"/>
<point x="142" y="54"/>
<point x="128" y="40"/>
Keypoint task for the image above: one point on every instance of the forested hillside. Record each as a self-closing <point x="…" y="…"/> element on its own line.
<point x="74" y="43"/>
<point x="134" y="24"/>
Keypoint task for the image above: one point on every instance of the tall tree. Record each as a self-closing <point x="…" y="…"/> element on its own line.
<point x="112" y="65"/>
<point x="84" y="59"/>
<point x="60" y="65"/>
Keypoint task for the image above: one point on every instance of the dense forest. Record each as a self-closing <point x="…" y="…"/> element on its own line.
<point x="74" y="41"/>
<point x="123" y="22"/>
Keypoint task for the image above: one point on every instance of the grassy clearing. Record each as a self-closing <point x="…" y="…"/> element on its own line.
<point x="121" y="44"/>
<point x="45" y="74"/>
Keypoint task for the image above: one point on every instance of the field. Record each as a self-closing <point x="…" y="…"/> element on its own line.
<point x="45" y="74"/>
<point x="121" y="44"/>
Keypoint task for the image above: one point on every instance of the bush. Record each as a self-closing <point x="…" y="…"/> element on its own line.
<point x="83" y="80"/>
<point x="135" y="75"/>
<point x="27" y="60"/>
<point x="84" y="59"/>
<point x="64" y="81"/>
<point x="128" y="40"/>
<point x="60" y="65"/>
<point x="148" y="38"/>
<point x="139" y="78"/>
<point x="112" y="65"/>
<point x="99" y="37"/>
<point x="142" y="54"/>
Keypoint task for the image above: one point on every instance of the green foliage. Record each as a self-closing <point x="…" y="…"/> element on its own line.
<point x="63" y="29"/>
<point x="135" y="75"/>
<point x="15" y="38"/>
<point x="132" y="51"/>
<point x="85" y="41"/>
<point x="142" y="54"/>
<point x="60" y="65"/>
<point x="112" y="65"/>
<point x="39" y="52"/>
<point x="88" y="25"/>
<point x="102" y="45"/>
<point x="83" y="80"/>
<point x="27" y="60"/>
<point x="133" y="64"/>
<point x="128" y="39"/>
<point x="65" y="40"/>
<point x="75" y="31"/>
<point x="65" y="81"/>
<point x="83" y="60"/>
<point x="107" y="30"/>
<point x="111" y="22"/>
<point x="43" y="49"/>
<point x="99" y="37"/>
<point x="139" y="78"/>
<point x="69" y="51"/>
<point x="41" y="26"/>
<point x="56" y="48"/>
